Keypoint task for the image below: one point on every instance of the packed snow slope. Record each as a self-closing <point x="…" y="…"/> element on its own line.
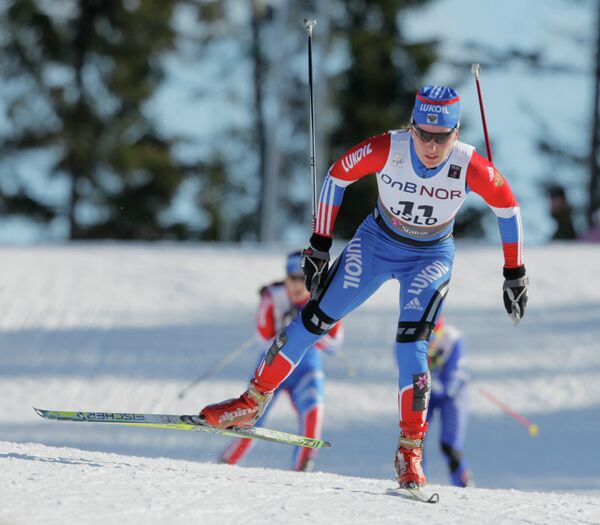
<point x="125" y="327"/>
<point x="54" y="486"/>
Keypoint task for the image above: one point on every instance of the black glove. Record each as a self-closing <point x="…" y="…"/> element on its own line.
<point x="315" y="262"/>
<point x="514" y="292"/>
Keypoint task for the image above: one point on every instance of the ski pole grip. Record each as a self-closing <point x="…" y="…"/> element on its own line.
<point x="309" y="24"/>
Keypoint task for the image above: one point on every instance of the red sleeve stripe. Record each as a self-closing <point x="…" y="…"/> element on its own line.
<point x="323" y="225"/>
<point x="437" y="102"/>
<point x="513" y="255"/>
<point x="329" y="201"/>
<point x="511" y="233"/>
<point x="329" y="205"/>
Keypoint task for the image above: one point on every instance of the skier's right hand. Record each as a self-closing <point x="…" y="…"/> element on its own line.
<point x="315" y="263"/>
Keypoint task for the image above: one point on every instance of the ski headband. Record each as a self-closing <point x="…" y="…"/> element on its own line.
<point x="437" y="106"/>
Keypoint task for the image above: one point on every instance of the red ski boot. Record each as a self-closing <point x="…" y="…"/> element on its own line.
<point x="408" y="460"/>
<point x="243" y="411"/>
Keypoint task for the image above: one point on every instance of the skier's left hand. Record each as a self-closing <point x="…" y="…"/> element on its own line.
<point x="514" y="292"/>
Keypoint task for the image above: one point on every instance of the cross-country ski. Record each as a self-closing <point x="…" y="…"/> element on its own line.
<point x="180" y="422"/>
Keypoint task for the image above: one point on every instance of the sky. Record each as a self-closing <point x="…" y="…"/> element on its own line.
<point x="511" y="96"/>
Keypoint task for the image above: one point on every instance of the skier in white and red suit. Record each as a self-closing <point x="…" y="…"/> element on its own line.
<point x="279" y="305"/>
<point x="424" y="174"/>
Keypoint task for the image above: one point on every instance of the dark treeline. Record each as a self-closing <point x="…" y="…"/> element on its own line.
<point x="85" y="156"/>
<point x="75" y="78"/>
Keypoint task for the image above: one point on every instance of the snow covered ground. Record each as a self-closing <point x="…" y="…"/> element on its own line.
<point x="64" y="485"/>
<point x="124" y="327"/>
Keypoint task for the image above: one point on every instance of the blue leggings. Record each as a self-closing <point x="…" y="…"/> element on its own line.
<point x="370" y="259"/>
<point x="306" y="387"/>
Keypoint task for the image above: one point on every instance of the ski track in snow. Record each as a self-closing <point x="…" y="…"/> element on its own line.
<point x="124" y="327"/>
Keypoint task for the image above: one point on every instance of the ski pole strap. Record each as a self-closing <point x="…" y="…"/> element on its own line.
<point x="406" y="240"/>
<point x="315" y="254"/>
<point x="516" y="283"/>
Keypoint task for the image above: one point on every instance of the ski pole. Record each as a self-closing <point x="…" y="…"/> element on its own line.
<point x="221" y="364"/>
<point x="475" y="69"/>
<point x="309" y="24"/>
<point x="531" y="427"/>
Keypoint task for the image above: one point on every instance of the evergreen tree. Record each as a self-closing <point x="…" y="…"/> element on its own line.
<point x="76" y="77"/>
<point x="376" y="92"/>
<point x="228" y="159"/>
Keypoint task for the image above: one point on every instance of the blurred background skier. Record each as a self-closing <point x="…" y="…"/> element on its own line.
<point x="423" y="174"/>
<point x="279" y="305"/>
<point x="450" y="397"/>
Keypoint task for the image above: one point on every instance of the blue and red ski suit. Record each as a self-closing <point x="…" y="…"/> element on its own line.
<point x="408" y="238"/>
<point x="305" y="386"/>
<point x="450" y="398"/>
